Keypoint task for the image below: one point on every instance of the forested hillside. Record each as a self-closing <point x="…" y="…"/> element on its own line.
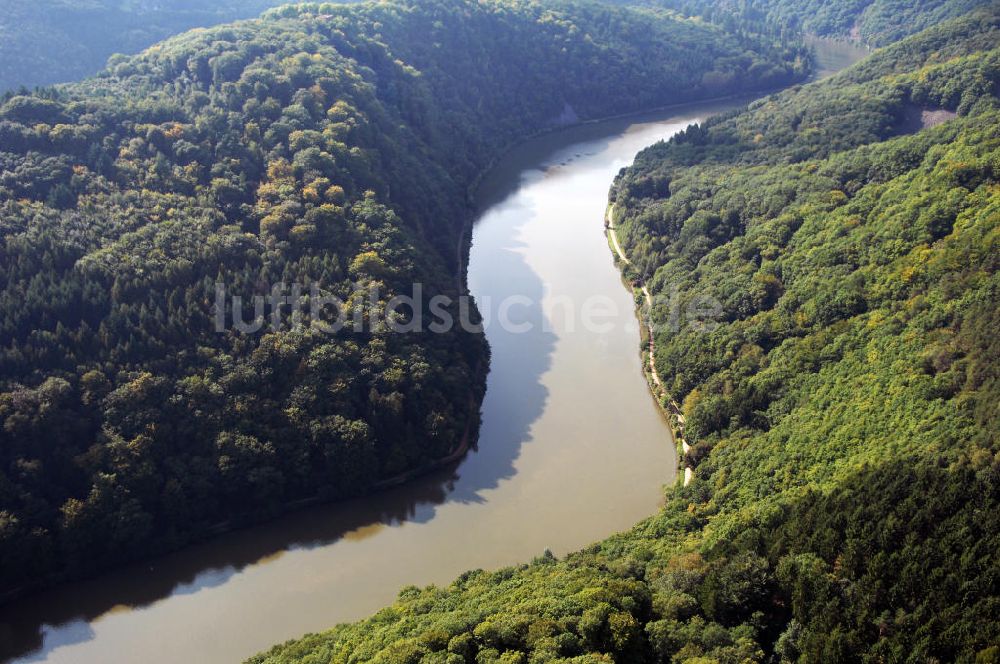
<point x="845" y="505"/>
<point x="323" y="144"/>
<point x="872" y="22"/>
<point x="55" y="41"/>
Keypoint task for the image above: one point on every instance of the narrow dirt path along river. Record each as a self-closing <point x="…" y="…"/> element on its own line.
<point x="572" y="448"/>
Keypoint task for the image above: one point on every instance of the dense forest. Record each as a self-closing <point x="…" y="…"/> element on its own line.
<point x="323" y="144"/>
<point x="845" y="504"/>
<point x="55" y="41"/>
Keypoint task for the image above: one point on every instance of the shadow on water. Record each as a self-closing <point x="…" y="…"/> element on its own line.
<point x="516" y="396"/>
<point x="33" y="627"/>
<point x="208" y="564"/>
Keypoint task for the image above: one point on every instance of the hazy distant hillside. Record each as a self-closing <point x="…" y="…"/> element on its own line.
<point x="874" y="22"/>
<point x="55" y="41"/>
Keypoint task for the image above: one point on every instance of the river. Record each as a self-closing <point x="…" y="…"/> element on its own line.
<point x="572" y="447"/>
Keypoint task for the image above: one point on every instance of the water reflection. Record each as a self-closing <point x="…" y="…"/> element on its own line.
<point x="27" y="625"/>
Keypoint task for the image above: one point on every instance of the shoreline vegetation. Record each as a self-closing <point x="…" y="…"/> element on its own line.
<point x="235" y="524"/>
<point x="664" y="401"/>
<point x="471" y="194"/>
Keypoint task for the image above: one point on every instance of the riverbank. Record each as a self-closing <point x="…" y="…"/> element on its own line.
<point x="670" y="407"/>
<point x="462" y="448"/>
<point x="465" y="237"/>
